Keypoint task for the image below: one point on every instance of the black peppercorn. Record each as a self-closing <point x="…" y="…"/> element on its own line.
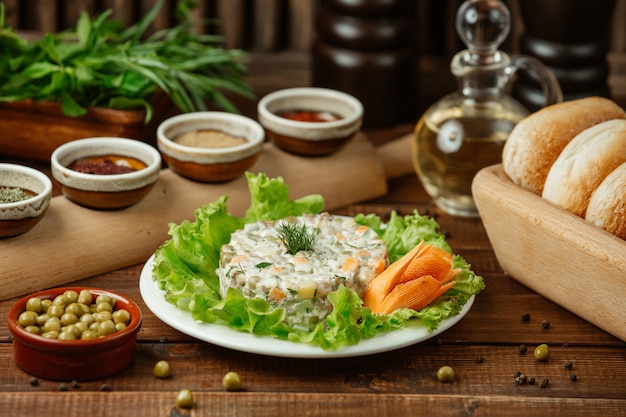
<point x="572" y="377"/>
<point x="480" y="359"/>
<point x="521" y="379"/>
<point x="544" y="383"/>
<point x="525" y="317"/>
<point x="531" y="381"/>
<point x="522" y="349"/>
<point x="517" y="373"/>
<point x="62" y="387"/>
<point x="545" y="324"/>
<point x="568" y="365"/>
<point x="34" y="382"/>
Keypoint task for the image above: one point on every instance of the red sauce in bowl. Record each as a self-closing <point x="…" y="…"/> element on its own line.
<point x="107" y="165"/>
<point x="308" y="116"/>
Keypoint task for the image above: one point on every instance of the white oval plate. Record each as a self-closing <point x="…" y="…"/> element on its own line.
<point x="224" y="336"/>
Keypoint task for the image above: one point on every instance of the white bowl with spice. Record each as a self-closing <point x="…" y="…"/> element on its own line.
<point x="310" y="121"/>
<point x="106" y="172"/>
<point x="25" y="195"/>
<point x="210" y="146"/>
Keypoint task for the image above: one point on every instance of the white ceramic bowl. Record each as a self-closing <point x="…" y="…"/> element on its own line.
<point x="210" y="164"/>
<point x="308" y="137"/>
<point x="111" y="191"/>
<point x="21" y="216"/>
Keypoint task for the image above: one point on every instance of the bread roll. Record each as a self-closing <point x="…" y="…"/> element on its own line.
<point x="537" y="140"/>
<point x="584" y="163"/>
<point x="607" y="206"/>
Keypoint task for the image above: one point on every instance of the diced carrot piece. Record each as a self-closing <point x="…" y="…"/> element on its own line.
<point x="350" y="264"/>
<point x="239" y="258"/>
<point x="382" y="284"/>
<point x="276" y="294"/>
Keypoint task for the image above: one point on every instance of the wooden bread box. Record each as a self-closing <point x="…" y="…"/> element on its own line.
<point x="555" y="253"/>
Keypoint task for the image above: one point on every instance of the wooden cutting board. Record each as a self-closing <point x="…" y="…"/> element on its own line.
<point x="72" y="242"/>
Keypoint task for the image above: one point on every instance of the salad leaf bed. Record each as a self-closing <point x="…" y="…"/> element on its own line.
<point x="184" y="268"/>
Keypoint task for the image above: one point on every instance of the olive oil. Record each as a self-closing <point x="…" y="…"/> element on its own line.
<point x="465" y="131"/>
<point x="447" y="155"/>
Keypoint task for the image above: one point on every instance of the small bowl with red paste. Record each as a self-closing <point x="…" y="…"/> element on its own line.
<point x="25" y="195"/>
<point x="106" y="172"/>
<point x="310" y="121"/>
<point x="210" y="146"/>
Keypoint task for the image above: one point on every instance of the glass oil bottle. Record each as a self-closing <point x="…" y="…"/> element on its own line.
<point x="465" y="131"/>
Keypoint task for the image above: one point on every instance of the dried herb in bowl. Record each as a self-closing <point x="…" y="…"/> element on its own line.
<point x="100" y="64"/>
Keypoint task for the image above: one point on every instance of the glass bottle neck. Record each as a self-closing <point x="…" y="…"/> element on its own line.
<point x="482" y="76"/>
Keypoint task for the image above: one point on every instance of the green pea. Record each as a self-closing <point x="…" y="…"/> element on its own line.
<point x="184" y="398"/>
<point x="27" y="318"/>
<point x="542" y="352"/>
<point x="106" y="328"/>
<point x="68" y="318"/>
<point x="55" y="310"/>
<point x="88" y="334"/>
<point x="104" y="307"/>
<point x="65" y="335"/>
<point x="445" y="374"/>
<point x="71" y="295"/>
<point x="85" y="297"/>
<point x="52" y="325"/>
<point x="121" y="316"/>
<point x="34" y="304"/>
<point x="33" y="329"/>
<point x="232" y="381"/>
<point x="162" y="369"/>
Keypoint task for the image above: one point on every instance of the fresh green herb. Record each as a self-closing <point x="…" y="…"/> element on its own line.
<point x="12" y="195"/>
<point x="296" y="237"/>
<point x="100" y="64"/>
<point x="263" y="265"/>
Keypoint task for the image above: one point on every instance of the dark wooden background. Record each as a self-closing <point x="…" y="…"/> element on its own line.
<point x="280" y="33"/>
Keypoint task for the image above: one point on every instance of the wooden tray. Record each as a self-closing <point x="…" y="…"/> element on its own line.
<point x="561" y="256"/>
<point x="73" y="242"/>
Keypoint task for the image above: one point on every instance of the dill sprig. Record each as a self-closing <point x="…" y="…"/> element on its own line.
<point x="296" y="237"/>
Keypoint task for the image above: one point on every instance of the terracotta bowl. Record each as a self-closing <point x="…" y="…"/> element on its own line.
<point x="21" y="216"/>
<point x="206" y="162"/>
<point x="302" y="136"/>
<point x="69" y="360"/>
<point x="105" y="191"/>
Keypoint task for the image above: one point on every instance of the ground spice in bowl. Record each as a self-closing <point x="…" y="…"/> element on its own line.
<point x="209" y="138"/>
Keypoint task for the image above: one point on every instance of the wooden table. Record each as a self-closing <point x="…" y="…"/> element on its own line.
<point x="483" y="349"/>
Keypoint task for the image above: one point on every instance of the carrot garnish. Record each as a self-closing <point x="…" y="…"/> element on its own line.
<point x="414" y="281"/>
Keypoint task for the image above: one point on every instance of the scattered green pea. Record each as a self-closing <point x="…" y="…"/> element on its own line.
<point x="232" y="381"/>
<point x="184" y="398"/>
<point x="162" y="369"/>
<point x="445" y="374"/>
<point x="542" y="352"/>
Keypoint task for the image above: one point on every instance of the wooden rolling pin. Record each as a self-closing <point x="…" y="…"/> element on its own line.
<point x="72" y="242"/>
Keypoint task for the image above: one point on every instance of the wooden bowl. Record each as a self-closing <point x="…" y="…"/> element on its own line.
<point x="21" y="216"/>
<point x="310" y="138"/>
<point x="550" y="250"/>
<point x="210" y="164"/>
<point x="114" y="191"/>
<point x="68" y="360"/>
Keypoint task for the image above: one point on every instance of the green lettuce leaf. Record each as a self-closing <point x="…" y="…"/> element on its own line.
<point x="184" y="268"/>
